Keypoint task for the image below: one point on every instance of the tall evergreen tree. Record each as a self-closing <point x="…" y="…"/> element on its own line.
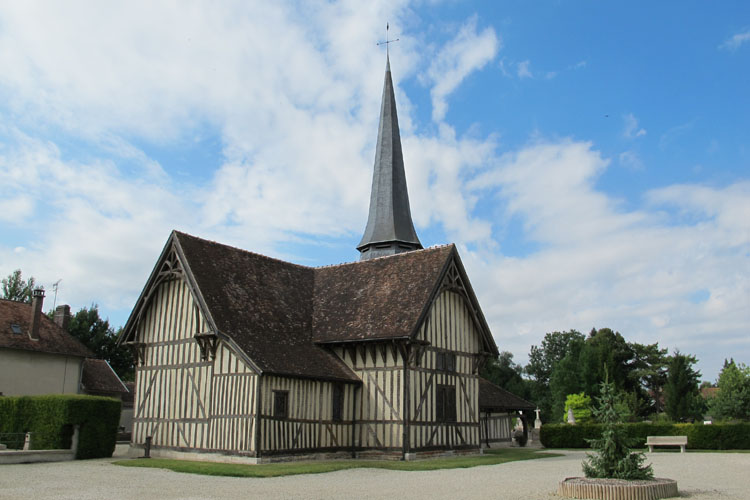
<point x="682" y="396"/>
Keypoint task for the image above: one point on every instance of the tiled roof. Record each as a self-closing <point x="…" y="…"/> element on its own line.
<point x="492" y="397"/>
<point x="52" y="338"/>
<point x="264" y="305"/>
<point x="281" y="314"/>
<point x="377" y="298"/>
<point x="98" y="377"/>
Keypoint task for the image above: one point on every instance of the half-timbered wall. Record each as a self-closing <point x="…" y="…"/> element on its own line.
<point x="449" y="329"/>
<point x="182" y="400"/>
<point x="378" y="407"/>
<point x="308" y="425"/>
<point x="495" y="427"/>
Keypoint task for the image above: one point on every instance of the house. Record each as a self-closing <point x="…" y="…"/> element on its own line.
<point x="99" y="379"/>
<point x="238" y="354"/>
<point x="37" y="355"/>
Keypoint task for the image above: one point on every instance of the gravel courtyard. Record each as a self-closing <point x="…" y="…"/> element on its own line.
<point x="699" y="475"/>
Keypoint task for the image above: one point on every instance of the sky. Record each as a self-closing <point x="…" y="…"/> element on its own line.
<point x="591" y="160"/>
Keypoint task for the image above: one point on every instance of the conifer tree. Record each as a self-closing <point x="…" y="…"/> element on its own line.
<point x="613" y="458"/>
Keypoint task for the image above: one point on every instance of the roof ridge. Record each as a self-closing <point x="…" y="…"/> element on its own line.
<point x="432" y="248"/>
<point x="275" y="259"/>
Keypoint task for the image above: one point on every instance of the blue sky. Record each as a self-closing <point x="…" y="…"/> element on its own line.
<point x="590" y="159"/>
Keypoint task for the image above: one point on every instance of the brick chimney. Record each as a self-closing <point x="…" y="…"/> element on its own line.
<point x="62" y="316"/>
<point x="37" y="298"/>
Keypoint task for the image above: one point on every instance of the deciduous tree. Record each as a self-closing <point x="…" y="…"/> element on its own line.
<point x="733" y="398"/>
<point x="15" y="288"/>
<point x="96" y="334"/>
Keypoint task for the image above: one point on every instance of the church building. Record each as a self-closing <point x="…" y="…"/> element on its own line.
<point x="238" y="354"/>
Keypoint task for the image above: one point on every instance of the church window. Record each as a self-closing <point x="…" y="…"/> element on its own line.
<point x="446" y="362"/>
<point x="338" y="402"/>
<point x="280" y="404"/>
<point x="446" y="403"/>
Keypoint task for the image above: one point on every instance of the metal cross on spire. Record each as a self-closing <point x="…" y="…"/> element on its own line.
<point x="387" y="41"/>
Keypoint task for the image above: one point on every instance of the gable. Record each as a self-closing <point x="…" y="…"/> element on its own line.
<point x="449" y="325"/>
<point x="259" y="306"/>
<point x="455" y="306"/>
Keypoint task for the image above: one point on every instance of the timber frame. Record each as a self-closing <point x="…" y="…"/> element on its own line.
<point x="199" y="389"/>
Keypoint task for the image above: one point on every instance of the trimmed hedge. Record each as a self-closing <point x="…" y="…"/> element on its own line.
<point x="51" y="418"/>
<point x="700" y="437"/>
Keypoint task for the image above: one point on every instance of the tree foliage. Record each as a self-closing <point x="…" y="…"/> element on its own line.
<point x="570" y="363"/>
<point x="15" y="288"/>
<point x="542" y="364"/>
<point x="733" y="398"/>
<point x="96" y="334"/>
<point x="613" y="458"/>
<point x="682" y="396"/>
<point x="503" y="372"/>
<point x="581" y="405"/>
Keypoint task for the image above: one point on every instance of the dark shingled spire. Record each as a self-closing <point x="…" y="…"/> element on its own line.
<point x="390" y="229"/>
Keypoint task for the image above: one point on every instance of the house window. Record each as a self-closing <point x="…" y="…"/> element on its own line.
<point x="280" y="404"/>
<point x="446" y="403"/>
<point x="446" y="362"/>
<point x="15" y="328"/>
<point x="338" y="402"/>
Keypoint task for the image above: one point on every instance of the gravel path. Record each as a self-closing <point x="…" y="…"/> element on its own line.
<point x="700" y="476"/>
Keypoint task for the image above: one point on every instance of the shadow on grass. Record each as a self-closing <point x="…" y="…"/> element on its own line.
<point x="491" y="457"/>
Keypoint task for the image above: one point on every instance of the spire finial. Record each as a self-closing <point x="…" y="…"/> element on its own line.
<point x="387" y="41"/>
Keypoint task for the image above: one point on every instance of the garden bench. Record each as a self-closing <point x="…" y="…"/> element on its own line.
<point x="680" y="441"/>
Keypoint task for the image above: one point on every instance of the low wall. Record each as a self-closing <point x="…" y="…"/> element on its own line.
<point x="34" y="456"/>
<point x="28" y="456"/>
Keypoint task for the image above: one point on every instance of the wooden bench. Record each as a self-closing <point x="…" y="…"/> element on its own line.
<point x="680" y="441"/>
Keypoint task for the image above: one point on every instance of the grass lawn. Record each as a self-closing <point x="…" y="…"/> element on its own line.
<point x="491" y="457"/>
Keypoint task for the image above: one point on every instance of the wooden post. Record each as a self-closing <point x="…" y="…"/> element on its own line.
<point x="355" y="391"/>
<point x="257" y="415"/>
<point x="405" y="352"/>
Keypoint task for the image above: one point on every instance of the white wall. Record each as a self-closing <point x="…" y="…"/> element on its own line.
<point x="27" y="373"/>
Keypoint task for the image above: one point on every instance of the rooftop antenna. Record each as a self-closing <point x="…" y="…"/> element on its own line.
<point x="387" y="41"/>
<point x="55" y="286"/>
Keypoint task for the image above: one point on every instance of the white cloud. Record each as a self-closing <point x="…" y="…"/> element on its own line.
<point x="600" y="265"/>
<point x="523" y="69"/>
<point x="467" y="52"/>
<point x="736" y="40"/>
<point x="631" y="160"/>
<point x="632" y="130"/>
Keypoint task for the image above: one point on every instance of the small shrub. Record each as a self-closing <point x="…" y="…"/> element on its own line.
<point x="614" y="458"/>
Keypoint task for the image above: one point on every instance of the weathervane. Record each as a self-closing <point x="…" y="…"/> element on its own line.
<point x="386" y="39"/>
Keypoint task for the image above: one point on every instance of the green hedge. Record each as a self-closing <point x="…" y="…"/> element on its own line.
<point x="51" y="418"/>
<point x="700" y="437"/>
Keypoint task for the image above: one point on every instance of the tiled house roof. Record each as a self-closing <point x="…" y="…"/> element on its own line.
<point x="52" y="338"/>
<point x="99" y="378"/>
<point x="494" y="398"/>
